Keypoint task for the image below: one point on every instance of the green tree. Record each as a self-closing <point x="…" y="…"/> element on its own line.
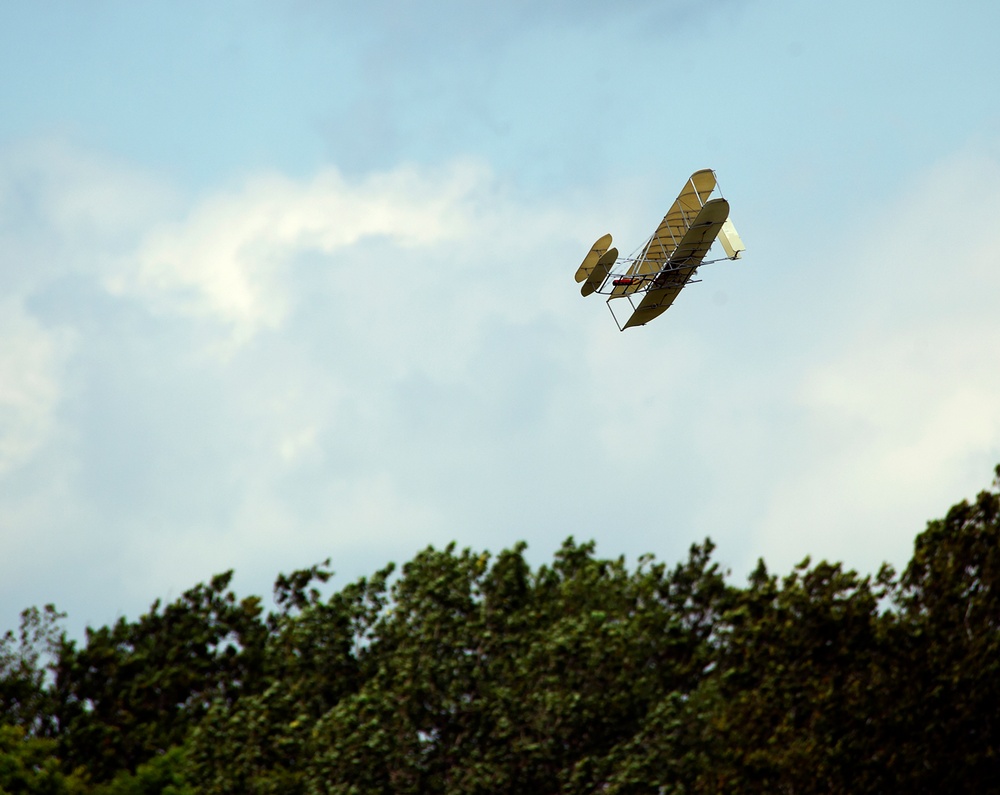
<point x="259" y="744"/>
<point x="499" y="679"/>
<point x="25" y="660"/>
<point x="796" y="684"/>
<point x="469" y="673"/>
<point x="945" y="672"/>
<point x="29" y="765"/>
<point x="135" y="689"/>
<point x="163" y="774"/>
<point x="828" y="682"/>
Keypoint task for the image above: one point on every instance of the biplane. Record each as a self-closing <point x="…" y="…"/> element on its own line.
<point x="652" y="277"/>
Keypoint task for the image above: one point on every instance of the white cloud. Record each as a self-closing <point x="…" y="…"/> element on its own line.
<point x="228" y="260"/>
<point x="380" y="347"/>
<point x="901" y="417"/>
<point x="63" y="212"/>
<point x="30" y="362"/>
<point x="407" y="362"/>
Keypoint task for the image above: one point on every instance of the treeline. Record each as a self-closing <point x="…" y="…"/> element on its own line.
<point x="466" y="673"/>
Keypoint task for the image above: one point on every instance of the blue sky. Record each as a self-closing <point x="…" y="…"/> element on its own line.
<point x="281" y="282"/>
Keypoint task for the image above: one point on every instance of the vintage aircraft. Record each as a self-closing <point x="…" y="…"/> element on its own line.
<point x="659" y="270"/>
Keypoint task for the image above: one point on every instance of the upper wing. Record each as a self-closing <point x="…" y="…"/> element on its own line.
<point x="687" y="256"/>
<point x="671" y="230"/>
<point x="592" y="257"/>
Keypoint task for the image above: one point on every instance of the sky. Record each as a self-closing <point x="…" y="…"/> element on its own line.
<point x="282" y="282"/>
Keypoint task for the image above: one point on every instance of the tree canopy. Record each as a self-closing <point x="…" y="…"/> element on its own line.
<point x="464" y="672"/>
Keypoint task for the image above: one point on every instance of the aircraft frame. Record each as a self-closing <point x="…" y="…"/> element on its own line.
<point x="652" y="277"/>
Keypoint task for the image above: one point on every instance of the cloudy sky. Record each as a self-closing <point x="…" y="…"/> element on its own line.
<point x="288" y="281"/>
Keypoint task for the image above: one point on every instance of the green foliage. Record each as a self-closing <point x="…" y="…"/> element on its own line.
<point x="29" y="765"/>
<point x="469" y="673"/>
<point x="24" y="661"/>
<point x="164" y="774"/>
<point x="471" y="677"/>
<point x="796" y="681"/>
<point x="310" y="664"/>
<point x="946" y="673"/>
<point x="135" y="689"/>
